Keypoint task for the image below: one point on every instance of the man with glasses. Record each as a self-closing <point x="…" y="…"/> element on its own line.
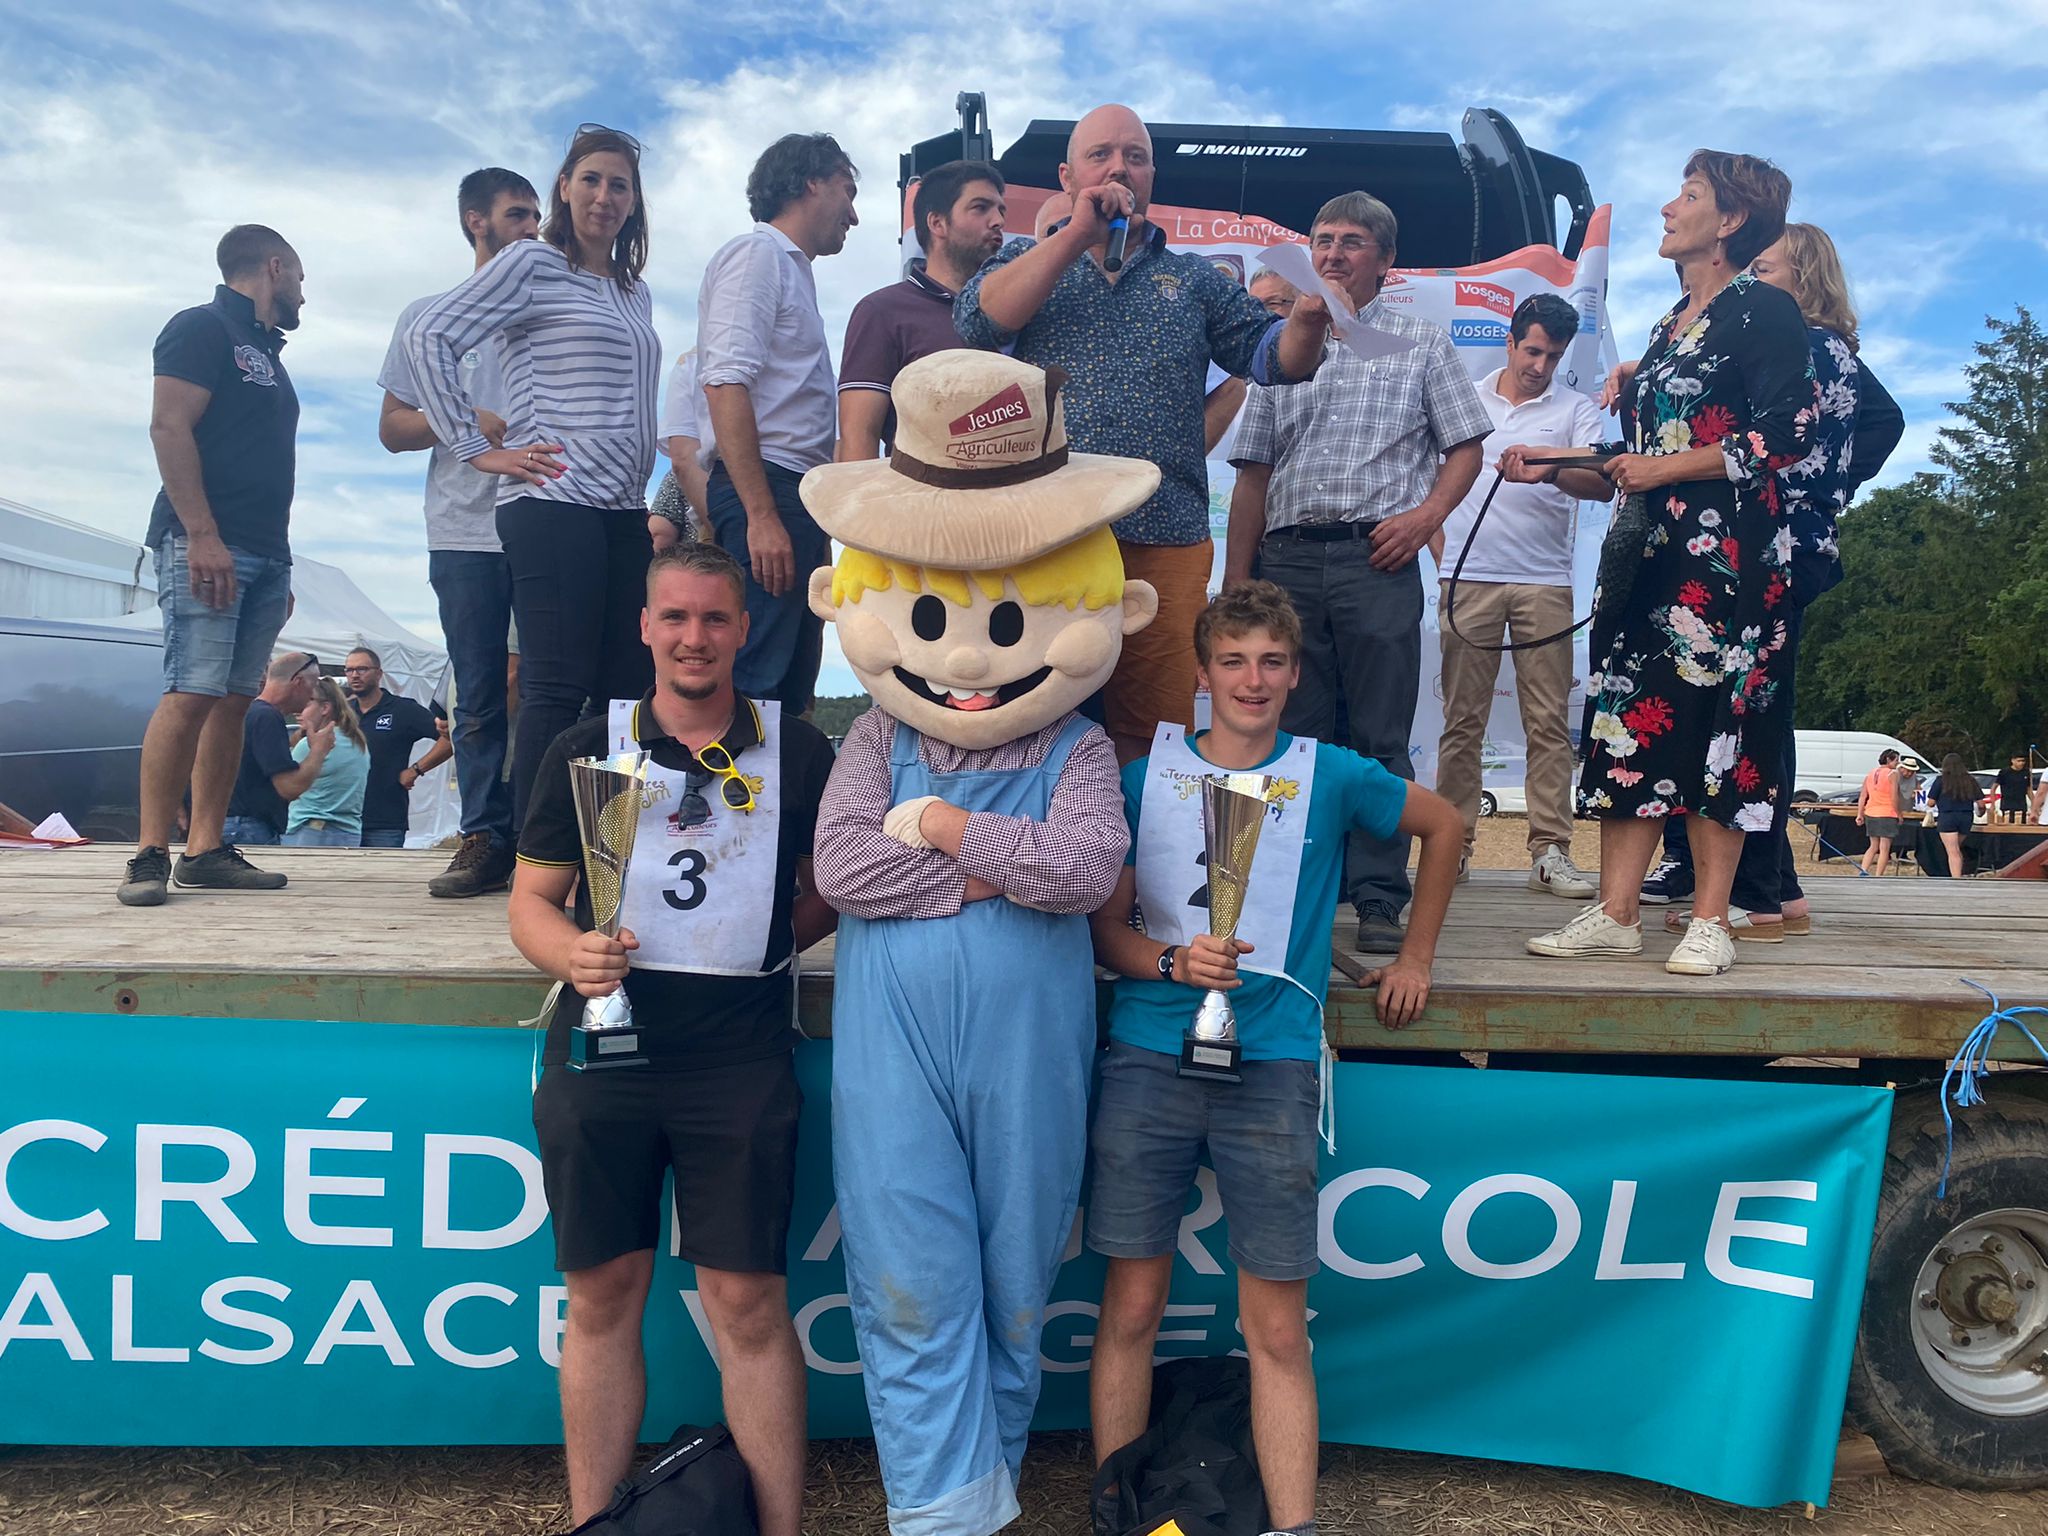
<point x="718" y="897"/>
<point x="1340" y="484"/>
<point x="393" y="725"/>
<point x="270" y="778"/>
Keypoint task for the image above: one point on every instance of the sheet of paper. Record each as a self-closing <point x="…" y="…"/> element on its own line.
<point x="1294" y="263"/>
<point x="57" y="829"/>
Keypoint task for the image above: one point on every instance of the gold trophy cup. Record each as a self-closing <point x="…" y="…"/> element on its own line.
<point x="1233" y="810"/>
<point x="607" y="792"/>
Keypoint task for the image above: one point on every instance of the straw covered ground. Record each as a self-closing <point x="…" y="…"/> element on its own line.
<point x="518" y="1492"/>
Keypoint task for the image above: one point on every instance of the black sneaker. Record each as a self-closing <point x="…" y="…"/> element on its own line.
<point x="224" y="869"/>
<point x="149" y="874"/>
<point x="1379" y="929"/>
<point x="1670" y="881"/>
<point x="481" y="864"/>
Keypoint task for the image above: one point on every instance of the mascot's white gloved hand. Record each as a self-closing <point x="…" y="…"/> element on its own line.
<point x="901" y="822"/>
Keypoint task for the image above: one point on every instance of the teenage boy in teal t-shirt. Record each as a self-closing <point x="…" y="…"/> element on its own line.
<point x="1150" y="1122"/>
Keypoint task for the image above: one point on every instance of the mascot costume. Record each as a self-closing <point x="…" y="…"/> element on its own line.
<point x="972" y="823"/>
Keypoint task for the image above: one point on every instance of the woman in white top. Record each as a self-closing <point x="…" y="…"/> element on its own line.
<point x="581" y="366"/>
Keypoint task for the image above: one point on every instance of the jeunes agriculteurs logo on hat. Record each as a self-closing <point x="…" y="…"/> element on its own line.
<point x="981" y="475"/>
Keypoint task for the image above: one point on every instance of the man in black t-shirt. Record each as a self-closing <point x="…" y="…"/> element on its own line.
<point x="224" y="422"/>
<point x="392" y="725"/>
<point x="718" y="898"/>
<point x="270" y="778"/>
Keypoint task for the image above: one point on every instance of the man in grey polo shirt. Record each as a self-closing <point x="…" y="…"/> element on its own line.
<point x="1341" y="482"/>
<point x="465" y="561"/>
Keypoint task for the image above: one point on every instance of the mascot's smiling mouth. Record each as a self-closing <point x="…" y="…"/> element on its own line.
<point x="967" y="699"/>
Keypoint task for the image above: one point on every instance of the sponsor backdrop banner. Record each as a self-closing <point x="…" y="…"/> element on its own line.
<point x="1474" y="304"/>
<point x="258" y="1233"/>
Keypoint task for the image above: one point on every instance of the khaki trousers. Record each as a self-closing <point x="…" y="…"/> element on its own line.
<point x="1543" y="684"/>
<point x="1154" y="680"/>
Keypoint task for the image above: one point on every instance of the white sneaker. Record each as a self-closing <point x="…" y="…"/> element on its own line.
<point x="1592" y="932"/>
<point x="1706" y="950"/>
<point x="1555" y="872"/>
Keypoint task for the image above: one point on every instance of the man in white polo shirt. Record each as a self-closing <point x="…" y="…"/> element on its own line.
<point x="1517" y="581"/>
<point x="771" y="403"/>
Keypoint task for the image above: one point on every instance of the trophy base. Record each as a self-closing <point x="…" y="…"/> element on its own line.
<point x="1217" y="1060"/>
<point x="591" y="1050"/>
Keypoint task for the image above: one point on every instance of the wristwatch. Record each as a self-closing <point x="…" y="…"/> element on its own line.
<point x="1166" y="961"/>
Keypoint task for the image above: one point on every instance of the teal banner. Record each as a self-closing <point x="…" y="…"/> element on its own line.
<point x="218" y="1232"/>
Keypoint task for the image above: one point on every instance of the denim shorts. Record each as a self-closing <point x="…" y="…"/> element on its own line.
<point x="1151" y="1125"/>
<point x="218" y="651"/>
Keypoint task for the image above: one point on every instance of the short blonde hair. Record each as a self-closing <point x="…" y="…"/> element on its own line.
<point x="1818" y="282"/>
<point x="1089" y="571"/>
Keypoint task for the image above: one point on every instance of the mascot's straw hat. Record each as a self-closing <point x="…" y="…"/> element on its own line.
<point x="991" y="426"/>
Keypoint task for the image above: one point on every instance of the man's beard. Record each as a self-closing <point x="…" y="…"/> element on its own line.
<point x="968" y="255"/>
<point x="695" y="693"/>
<point x="287" y="315"/>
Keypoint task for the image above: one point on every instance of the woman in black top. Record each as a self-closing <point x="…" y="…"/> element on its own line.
<point x="1954" y="796"/>
<point x="1686" y="707"/>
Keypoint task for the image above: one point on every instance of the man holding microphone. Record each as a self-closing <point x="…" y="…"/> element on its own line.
<point x="1135" y="326"/>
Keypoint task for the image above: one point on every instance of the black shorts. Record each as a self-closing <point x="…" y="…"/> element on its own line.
<point x="727" y="1133"/>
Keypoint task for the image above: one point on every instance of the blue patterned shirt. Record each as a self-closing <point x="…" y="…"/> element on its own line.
<point x="1137" y="354"/>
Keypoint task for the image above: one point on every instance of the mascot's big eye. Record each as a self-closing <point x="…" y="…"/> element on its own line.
<point x="928" y="617"/>
<point x="1006" y="624"/>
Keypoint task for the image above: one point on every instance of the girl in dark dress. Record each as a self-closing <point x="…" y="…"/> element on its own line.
<point x="1685" y="707"/>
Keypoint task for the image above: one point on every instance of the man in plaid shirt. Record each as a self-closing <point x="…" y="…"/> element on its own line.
<point x="1341" y="482"/>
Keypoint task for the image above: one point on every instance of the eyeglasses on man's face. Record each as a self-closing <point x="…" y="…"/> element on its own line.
<point x="1350" y="245"/>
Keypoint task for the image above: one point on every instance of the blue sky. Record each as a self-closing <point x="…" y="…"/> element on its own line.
<point x="132" y="134"/>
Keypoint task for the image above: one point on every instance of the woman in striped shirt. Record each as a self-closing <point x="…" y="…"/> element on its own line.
<point x="581" y="364"/>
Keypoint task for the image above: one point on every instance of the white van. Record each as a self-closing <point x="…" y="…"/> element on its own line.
<point x="1833" y="761"/>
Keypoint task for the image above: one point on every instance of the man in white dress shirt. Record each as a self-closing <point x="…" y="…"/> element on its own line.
<point x="771" y="402"/>
<point x="1517" y="582"/>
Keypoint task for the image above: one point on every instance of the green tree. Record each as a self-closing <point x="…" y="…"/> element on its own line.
<point x="1942" y="620"/>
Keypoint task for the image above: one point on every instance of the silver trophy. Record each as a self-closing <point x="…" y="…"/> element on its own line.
<point x="1233" y="810"/>
<point x="607" y="791"/>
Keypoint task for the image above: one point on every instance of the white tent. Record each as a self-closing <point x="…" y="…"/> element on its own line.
<point x="54" y="569"/>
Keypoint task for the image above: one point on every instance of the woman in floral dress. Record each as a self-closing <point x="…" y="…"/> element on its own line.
<point x="1685" y="708"/>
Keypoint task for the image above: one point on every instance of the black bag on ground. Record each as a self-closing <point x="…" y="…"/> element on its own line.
<point x="1194" y="1465"/>
<point x="696" y="1486"/>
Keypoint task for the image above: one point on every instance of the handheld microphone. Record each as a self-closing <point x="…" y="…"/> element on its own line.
<point x="1119" y="232"/>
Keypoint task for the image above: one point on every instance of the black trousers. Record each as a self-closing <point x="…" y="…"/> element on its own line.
<point x="579" y="581"/>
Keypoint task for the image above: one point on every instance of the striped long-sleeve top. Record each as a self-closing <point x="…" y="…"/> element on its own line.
<point x="581" y="364"/>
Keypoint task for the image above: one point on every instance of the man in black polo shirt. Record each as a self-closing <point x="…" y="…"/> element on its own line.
<point x="224" y="422"/>
<point x="392" y="725"/>
<point x="718" y="898"/>
<point x="959" y="212"/>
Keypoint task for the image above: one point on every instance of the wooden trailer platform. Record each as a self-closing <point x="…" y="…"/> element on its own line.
<point x="356" y="937"/>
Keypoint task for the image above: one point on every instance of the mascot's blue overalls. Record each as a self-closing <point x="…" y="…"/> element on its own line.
<point x="960" y="1060"/>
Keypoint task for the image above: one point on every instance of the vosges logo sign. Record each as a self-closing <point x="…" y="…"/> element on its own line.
<point x="1478" y="333"/>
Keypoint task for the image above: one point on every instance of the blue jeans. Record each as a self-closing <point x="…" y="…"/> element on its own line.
<point x="322" y="837"/>
<point x="382" y="837"/>
<point x="785" y="640"/>
<point x="247" y="831"/>
<point x="218" y="651"/>
<point x="475" y="593"/>
<point x="579" y="582"/>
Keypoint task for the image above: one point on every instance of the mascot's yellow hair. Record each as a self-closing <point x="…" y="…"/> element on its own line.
<point x="1088" y="571"/>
